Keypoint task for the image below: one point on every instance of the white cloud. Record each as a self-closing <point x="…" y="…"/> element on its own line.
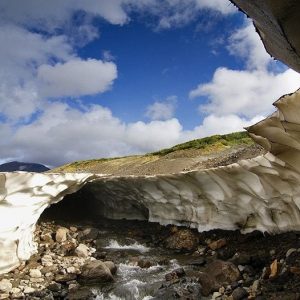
<point x="162" y="110"/>
<point x="62" y="134"/>
<point x="246" y="93"/>
<point x="224" y="7"/>
<point x="76" y="77"/>
<point x="213" y="124"/>
<point x="246" y="44"/>
<point x="176" y="13"/>
<point x="21" y="52"/>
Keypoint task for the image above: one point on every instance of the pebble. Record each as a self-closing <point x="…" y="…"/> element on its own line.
<point x="82" y="251"/>
<point x="61" y="234"/>
<point x="29" y="290"/>
<point x="71" y="270"/>
<point x="216" y="295"/>
<point x="5" y="286"/>
<point x="239" y="294"/>
<point x="35" y="273"/>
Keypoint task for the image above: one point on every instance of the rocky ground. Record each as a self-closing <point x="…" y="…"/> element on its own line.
<point x="71" y="261"/>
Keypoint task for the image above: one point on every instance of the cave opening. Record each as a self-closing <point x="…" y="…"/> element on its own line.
<point x="93" y="204"/>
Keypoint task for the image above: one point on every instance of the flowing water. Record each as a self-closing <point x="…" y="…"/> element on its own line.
<point x="133" y="282"/>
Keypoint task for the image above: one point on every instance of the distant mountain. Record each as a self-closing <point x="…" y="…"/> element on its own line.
<point x="22" y="166"/>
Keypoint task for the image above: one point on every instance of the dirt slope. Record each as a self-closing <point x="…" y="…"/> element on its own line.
<point x="194" y="155"/>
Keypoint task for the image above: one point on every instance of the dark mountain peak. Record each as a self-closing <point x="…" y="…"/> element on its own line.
<point x="22" y="166"/>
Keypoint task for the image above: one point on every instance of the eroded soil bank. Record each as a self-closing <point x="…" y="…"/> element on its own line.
<point x="141" y="260"/>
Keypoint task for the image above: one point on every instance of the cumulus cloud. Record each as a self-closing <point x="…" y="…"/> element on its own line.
<point x="250" y="92"/>
<point x="176" y="13"/>
<point x="162" y="110"/>
<point x="62" y="134"/>
<point x="246" y="44"/>
<point x="246" y="93"/>
<point x="76" y="77"/>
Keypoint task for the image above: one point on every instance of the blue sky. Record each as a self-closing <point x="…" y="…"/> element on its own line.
<point x="89" y="79"/>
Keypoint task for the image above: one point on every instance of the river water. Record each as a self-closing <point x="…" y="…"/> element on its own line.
<point x="133" y="282"/>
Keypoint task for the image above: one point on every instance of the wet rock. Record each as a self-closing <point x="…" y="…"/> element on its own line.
<point x="175" y="274"/>
<point x="183" y="240"/>
<point x="5" y="286"/>
<point x="54" y="287"/>
<point x="239" y="294"/>
<point x="82" y="251"/>
<point x="184" y="289"/>
<point x="217" y="244"/>
<point x="80" y="294"/>
<point x="61" y="234"/>
<point x="201" y="261"/>
<point x="208" y="284"/>
<point x="144" y="263"/>
<point x="88" y="234"/>
<point x="223" y="272"/>
<point x="112" y="267"/>
<point x="96" y="270"/>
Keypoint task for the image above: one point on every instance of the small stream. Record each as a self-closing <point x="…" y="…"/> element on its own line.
<point x="133" y="282"/>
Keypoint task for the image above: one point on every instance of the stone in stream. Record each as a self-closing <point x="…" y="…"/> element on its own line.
<point x="112" y="267"/>
<point x="175" y="274"/>
<point x="96" y="271"/>
<point x="184" y="288"/>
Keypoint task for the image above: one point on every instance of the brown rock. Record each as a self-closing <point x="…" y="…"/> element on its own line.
<point x="223" y="272"/>
<point x="96" y="270"/>
<point x="112" y="267"/>
<point x="61" y="234"/>
<point x="274" y="269"/>
<point x="208" y="284"/>
<point x="175" y="274"/>
<point x="217" y="244"/>
<point x="182" y="239"/>
<point x="295" y="270"/>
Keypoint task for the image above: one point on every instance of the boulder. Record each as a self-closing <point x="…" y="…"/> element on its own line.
<point x="223" y="272"/>
<point x="96" y="271"/>
<point x="183" y="240"/>
<point x="112" y="267"/>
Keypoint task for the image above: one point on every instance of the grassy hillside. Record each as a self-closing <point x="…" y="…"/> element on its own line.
<point x="180" y="157"/>
<point x="229" y="140"/>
